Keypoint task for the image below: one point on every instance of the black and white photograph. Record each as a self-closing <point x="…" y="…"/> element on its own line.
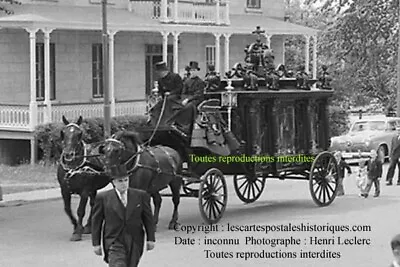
<point x="179" y="133"/>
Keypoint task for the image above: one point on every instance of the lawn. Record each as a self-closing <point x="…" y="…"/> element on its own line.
<point x="26" y="177"/>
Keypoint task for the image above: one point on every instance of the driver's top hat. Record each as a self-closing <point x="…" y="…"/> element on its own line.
<point x="161" y="66"/>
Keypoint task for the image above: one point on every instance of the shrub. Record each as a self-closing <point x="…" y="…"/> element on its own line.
<point x="338" y="121"/>
<point x="49" y="135"/>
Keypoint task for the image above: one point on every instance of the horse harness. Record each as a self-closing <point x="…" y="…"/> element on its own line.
<point x="83" y="168"/>
<point x="137" y="156"/>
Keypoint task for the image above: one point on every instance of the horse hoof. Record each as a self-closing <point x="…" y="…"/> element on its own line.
<point x="76" y="237"/>
<point x="87" y="230"/>
<point x="172" y="225"/>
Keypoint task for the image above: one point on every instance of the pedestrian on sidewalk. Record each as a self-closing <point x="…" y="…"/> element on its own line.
<point x="374" y="168"/>
<point x="394" y="160"/>
<point x="119" y="216"/>
<point x="395" y="245"/>
<point x="342" y="166"/>
<point x="361" y="176"/>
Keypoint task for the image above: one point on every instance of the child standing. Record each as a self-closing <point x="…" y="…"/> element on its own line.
<point x="342" y="166"/>
<point x="395" y="245"/>
<point x="374" y="168"/>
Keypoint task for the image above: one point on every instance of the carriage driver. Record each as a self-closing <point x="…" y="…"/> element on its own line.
<point x="120" y="216"/>
<point x="193" y="88"/>
<point x="168" y="81"/>
<point x="192" y="96"/>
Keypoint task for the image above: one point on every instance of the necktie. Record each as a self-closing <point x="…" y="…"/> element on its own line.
<point x="124" y="199"/>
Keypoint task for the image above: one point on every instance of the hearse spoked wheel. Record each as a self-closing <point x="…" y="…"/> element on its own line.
<point x="213" y="195"/>
<point x="324" y="178"/>
<point x="248" y="187"/>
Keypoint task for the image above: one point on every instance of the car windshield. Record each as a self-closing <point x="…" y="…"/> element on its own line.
<point x="368" y="126"/>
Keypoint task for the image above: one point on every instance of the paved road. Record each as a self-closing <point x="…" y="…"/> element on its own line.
<point x="37" y="234"/>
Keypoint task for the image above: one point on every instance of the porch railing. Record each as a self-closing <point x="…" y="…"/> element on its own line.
<point x="17" y="117"/>
<point x="14" y="116"/>
<point x="183" y="11"/>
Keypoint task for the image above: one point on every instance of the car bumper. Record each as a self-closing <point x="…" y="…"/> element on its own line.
<point x="355" y="155"/>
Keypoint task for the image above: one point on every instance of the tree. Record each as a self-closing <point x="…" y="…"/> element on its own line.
<point x="364" y="36"/>
<point x="5" y="6"/>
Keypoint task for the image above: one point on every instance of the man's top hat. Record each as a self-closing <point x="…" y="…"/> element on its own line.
<point x="161" y="66"/>
<point x="211" y="68"/>
<point x="117" y="171"/>
<point x="194" y="65"/>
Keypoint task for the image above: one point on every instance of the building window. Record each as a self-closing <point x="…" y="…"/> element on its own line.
<point x="40" y="88"/>
<point x="210" y="55"/>
<point x="97" y="73"/>
<point x="253" y="3"/>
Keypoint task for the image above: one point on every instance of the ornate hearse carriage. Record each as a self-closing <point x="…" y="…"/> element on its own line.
<point x="273" y="123"/>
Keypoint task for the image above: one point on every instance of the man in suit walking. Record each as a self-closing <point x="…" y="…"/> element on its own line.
<point x="394" y="160"/>
<point x="119" y="216"/>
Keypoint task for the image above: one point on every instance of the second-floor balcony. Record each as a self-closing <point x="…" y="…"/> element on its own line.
<point x="183" y="11"/>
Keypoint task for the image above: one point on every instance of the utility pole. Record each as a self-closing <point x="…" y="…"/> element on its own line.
<point x="107" y="104"/>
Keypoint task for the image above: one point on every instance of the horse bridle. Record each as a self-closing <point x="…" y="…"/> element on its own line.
<point x="62" y="158"/>
<point x="139" y="151"/>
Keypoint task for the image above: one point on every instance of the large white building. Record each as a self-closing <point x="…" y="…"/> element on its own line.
<point x="51" y="54"/>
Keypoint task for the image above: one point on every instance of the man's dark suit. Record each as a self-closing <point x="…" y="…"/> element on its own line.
<point x="171" y="83"/>
<point x="193" y="90"/>
<point x="394" y="159"/>
<point x="121" y="223"/>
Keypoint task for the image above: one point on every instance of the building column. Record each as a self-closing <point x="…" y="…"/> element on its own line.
<point x="165" y="35"/>
<point x="34" y="149"/>
<point x="47" y="93"/>
<point x="283" y="50"/>
<point x="307" y="55"/>
<point x="111" y="87"/>
<point x="176" y="39"/>
<point x="227" y="10"/>
<point x="164" y="11"/>
<point x="315" y="41"/>
<point x="227" y="37"/>
<point x="268" y="40"/>
<point x="33" y="117"/>
<point x="217" y="11"/>
<point x="176" y="11"/>
<point x="217" y="52"/>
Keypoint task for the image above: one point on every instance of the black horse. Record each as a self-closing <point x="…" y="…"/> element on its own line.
<point x="151" y="168"/>
<point x="79" y="172"/>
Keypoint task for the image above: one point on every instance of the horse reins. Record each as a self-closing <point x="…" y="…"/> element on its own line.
<point x="158" y="121"/>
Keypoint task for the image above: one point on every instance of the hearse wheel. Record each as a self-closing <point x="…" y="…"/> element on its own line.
<point x="213" y="195"/>
<point x="248" y="187"/>
<point x="324" y="178"/>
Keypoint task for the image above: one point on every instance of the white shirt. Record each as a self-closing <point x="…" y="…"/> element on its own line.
<point x="395" y="264"/>
<point x="125" y="203"/>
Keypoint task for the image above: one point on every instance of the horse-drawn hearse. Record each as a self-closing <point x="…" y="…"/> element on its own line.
<point x="256" y="124"/>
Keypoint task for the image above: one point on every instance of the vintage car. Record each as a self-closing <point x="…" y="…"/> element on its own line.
<point x="366" y="134"/>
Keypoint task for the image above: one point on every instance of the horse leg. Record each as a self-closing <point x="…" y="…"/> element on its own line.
<point x="77" y="235"/>
<point x="157" y="205"/>
<point x="88" y="227"/>
<point x="175" y="186"/>
<point x="67" y="207"/>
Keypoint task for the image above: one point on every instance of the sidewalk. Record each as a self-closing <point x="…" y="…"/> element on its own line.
<point x="21" y="198"/>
